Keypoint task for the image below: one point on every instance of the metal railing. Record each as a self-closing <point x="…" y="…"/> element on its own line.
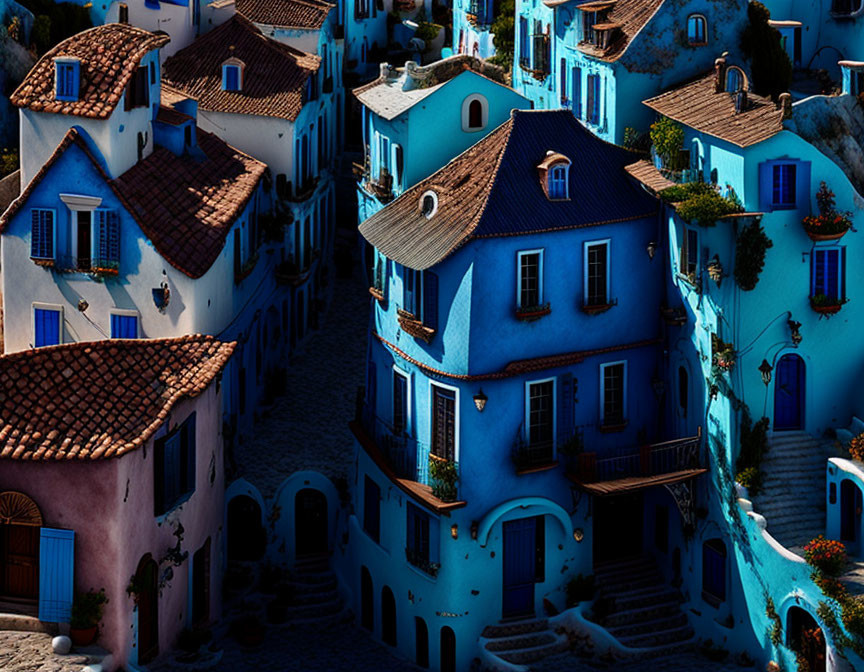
<point x="408" y="457"/>
<point x="649" y="460"/>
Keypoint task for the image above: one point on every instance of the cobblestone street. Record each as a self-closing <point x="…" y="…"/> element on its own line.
<point x="307" y="427"/>
<point x="31" y="652"/>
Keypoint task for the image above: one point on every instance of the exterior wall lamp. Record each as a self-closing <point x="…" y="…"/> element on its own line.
<point x="454" y="530"/>
<point x="83" y="305"/>
<point x="578" y="535"/>
<point x="480" y="400"/>
<point x="795" y="334"/>
<point x="651" y="249"/>
<point x="765" y="369"/>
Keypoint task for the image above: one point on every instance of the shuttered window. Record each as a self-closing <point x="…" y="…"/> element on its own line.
<point x="400" y="403"/>
<point x="443" y="423"/>
<point x="41" y="233"/>
<point x="67" y="80"/>
<point x="56" y="573"/>
<point x="430" y="299"/>
<point x="828" y="277"/>
<point x="613" y="380"/>
<point x="541" y="416"/>
<point x="174" y="467"/>
<point x="107" y="240"/>
<point x="524" y="45"/>
<point x="783" y="185"/>
<point x="124" y="326"/>
<point x="594" y="99"/>
<point x="47" y="323"/>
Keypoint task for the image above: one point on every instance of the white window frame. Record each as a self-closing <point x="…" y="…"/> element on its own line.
<point x="519" y="255"/>
<point x="456" y="419"/>
<point x="603" y="368"/>
<point x="527" y="430"/>
<point x="484" y="115"/>
<point x="685" y="248"/>
<point x="46" y="306"/>
<point x="409" y="383"/>
<point x="126" y="313"/>
<point x="586" y="245"/>
<point x="434" y="203"/>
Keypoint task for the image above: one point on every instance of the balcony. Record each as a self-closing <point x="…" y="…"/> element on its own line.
<point x="678" y="169"/>
<point x="404" y="460"/>
<point x="414" y="327"/>
<point x="636" y="468"/>
<point x="846" y="9"/>
<point x="380" y="187"/>
<point x="91" y="265"/>
<point x="289" y="272"/>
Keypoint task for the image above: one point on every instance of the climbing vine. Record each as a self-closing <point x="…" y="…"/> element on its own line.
<point x="754" y="444"/>
<point x="700" y="202"/>
<point x="750" y="249"/>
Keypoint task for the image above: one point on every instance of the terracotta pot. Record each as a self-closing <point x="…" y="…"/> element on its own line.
<point x="83" y="636"/>
<point x="816" y="237"/>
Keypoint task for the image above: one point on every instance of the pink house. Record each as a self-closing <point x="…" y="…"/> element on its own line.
<point x="111" y="470"/>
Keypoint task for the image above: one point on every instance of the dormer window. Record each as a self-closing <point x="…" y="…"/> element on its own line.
<point x="554" y="175"/>
<point x="429" y="204"/>
<point x="232" y="75"/>
<point x="697" y="30"/>
<point x="68" y="77"/>
<point x="734" y="80"/>
<point x="475" y="113"/>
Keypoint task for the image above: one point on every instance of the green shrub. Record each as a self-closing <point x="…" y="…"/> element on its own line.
<point x="750" y="249"/>
<point x="87" y="609"/>
<point x="705" y="209"/>
<point x="667" y="136"/>
<point x="503" y="34"/>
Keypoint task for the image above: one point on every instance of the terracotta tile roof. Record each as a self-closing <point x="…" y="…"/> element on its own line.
<point x="89" y="401"/>
<point x="698" y="105"/>
<point x="304" y="14"/>
<point x="171" y="96"/>
<point x="184" y="204"/>
<point x="494" y="189"/>
<point x="172" y="117"/>
<point x="10" y="189"/>
<point x="109" y="55"/>
<point x="629" y="16"/>
<point x="187" y="206"/>
<point x="274" y="74"/>
<point x="647" y="174"/>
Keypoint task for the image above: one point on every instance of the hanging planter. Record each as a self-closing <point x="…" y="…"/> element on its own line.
<point x="829" y="224"/>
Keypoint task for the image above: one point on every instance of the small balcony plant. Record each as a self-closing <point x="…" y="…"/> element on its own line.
<point x="826" y="556"/>
<point x="85" y="616"/>
<point x="530" y="313"/>
<point x="444" y="475"/>
<point x="829" y="224"/>
<point x="722" y="354"/>
<point x="826" y="305"/>
<point x="856" y="448"/>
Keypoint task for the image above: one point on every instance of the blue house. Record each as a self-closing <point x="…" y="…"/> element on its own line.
<point x="461" y="98"/>
<point x="771" y="342"/>
<point x="509" y="437"/>
<point x="600" y="59"/>
<point x="472" y="23"/>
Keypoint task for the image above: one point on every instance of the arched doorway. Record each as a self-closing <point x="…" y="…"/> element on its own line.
<point x="388" y="616"/>
<point x="367" y="606"/>
<point x="850" y="515"/>
<point x="246" y="535"/>
<point x="310" y="522"/>
<point x="20" y="522"/>
<point x="448" y="649"/>
<point x="421" y="642"/>
<point x="805" y="637"/>
<point x="789" y="388"/>
<point x="146" y="578"/>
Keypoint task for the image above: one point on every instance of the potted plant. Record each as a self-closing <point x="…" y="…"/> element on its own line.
<point x="826" y="305"/>
<point x="444" y="475"/>
<point x="829" y="224"/>
<point x="827" y="556"/>
<point x="85" y="616"/>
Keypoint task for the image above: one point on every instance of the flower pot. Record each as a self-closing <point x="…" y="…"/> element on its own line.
<point x="826" y="310"/>
<point x="83" y="636"/>
<point x="817" y="237"/>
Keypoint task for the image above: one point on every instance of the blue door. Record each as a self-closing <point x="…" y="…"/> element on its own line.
<point x="520" y="549"/>
<point x="789" y="393"/>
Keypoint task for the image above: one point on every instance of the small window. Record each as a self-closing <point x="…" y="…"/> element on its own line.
<point x="67" y="75"/>
<point x="524" y="44"/>
<point x="530" y="280"/>
<point x="613" y="379"/>
<point x="124" y="325"/>
<point x="138" y="89"/>
<point x="783" y="185"/>
<point x="597" y="274"/>
<point x="443" y="423"/>
<point x="231" y="77"/>
<point x="828" y="272"/>
<point x="372" y="509"/>
<point x="47" y="326"/>
<point x="412" y="291"/>
<point x="475" y="114"/>
<point x="42" y="234"/>
<point x="697" y="30"/>
<point x="421" y="539"/>
<point x="558" y="190"/>
<point x="540" y="421"/>
<point x="690" y="254"/>
<point x="593" y="102"/>
<point x="429" y="204"/>
<point x="174" y="467"/>
<point x="400" y="403"/>
<point x="714" y="571"/>
<point x="734" y="80"/>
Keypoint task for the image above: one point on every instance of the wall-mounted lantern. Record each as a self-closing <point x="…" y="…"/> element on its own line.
<point x="578" y="535"/>
<point x="454" y="530"/>
<point x="83" y="305"/>
<point x="794" y="332"/>
<point x="765" y="369"/>
<point x="651" y="249"/>
<point x="480" y="400"/>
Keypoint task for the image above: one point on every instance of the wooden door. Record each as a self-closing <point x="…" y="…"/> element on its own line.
<point x="519" y="567"/>
<point x="789" y="387"/>
<point x="310" y="522"/>
<point x="19" y="561"/>
<point x="148" y="609"/>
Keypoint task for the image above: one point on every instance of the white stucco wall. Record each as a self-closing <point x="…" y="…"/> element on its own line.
<point x="172" y="19"/>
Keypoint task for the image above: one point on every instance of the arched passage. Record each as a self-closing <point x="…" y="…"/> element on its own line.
<point x="805" y="637"/>
<point x="388" y="616"/>
<point x="850" y="514"/>
<point x="789" y="389"/>
<point x="421" y="642"/>
<point x="20" y="522"/>
<point x="310" y="522"/>
<point x="246" y="535"/>
<point x="448" y="649"/>
<point x="146" y="579"/>
<point x="367" y="600"/>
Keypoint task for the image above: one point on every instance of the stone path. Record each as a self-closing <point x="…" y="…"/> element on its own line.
<point x="307" y="428"/>
<point x="31" y="652"/>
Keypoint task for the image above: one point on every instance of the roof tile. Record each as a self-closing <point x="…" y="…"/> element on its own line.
<point x="303" y="14"/>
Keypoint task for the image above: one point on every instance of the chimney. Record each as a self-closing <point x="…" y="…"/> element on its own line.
<point x="720" y="73"/>
<point x="123" y="16"/>
<point x="784" y="102"/>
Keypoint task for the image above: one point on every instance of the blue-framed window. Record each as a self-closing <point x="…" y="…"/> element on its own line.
<point x="42" y="233"/>
<point x="558" y="181"/>
<point x="421" y="543"/>
<point x="597" y="273"/>
<point x="372" y="509"/>
<point x="124" y="326"/>
<point x="530" y="278"/>
<point x="231" y="77"/>
<point x="174" y="467"/>
<point x="783" y="187"/>
<point x="562" y="83"/>
<point x="690" y="253"/>
<point x="412" y="291"/>
<point x="524" y="44"/>
<point x="67" y="79"/>
<point x="613" y="394"/>
<point x="697" y="29"/>
<point x="47" y="323"/>
<point x="734" y="80"/>
<point x="714" y="571"/>
<point x="593" y="99"/>
<point x="400" y="403"/>
<point x="828" y="272"/>
<point x="576" y="96"/>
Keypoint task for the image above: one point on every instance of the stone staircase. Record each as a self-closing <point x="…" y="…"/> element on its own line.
<point x="521" y="643"/>
<point x="792" y="499"/>
<point x="637" y="607"/>
<point x="316" y="597"/>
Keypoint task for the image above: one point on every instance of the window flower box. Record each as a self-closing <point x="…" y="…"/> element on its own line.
<point x="43" y="262"/>
<point x="597" y="308"/>
<point x="289" y="273"/>
<point x="531" y="313"/>
<point x="422" y="563"/>
<point x="414" y="327"/>
<point x="829" y="224"/>
<point x="826" y="305"/>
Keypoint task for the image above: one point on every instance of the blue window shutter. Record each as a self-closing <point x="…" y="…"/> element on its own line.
<point x="41" y="233"/>
<point x="46" y="327"/>
<point x="832" y="273"/>
<point x="766" y="184"/>
<point x="842" y="273"/>
<point x="116" y="326"/>
<point x="113" y="237"/>
<point x="430" y="299"/>
<point x="802" y="185"/>
<point x="56" y="574"/>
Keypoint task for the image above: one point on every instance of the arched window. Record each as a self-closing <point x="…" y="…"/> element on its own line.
<point x="558" y="181"/>
<point x="697" y="29"/>
<point x="429" y="204"/>
<point x="475" y="113"/>
<point x="734" y="80"/>
<point x="714" y="571"/>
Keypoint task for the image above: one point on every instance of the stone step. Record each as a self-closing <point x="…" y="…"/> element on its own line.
<point x="532" y="655"/>
<point x="515" y="628"/>
<point x="670" y="622"/>
<point x="314" y="610"/>
<point x="637" y="562"/>
<point x="527" y="641"/>
<point x="626" y="600"/>
<point x="632" y="583"/>
<point x="322" y="597"/>
<point x="661" y="638"/>
<point x="670" y="607"/>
